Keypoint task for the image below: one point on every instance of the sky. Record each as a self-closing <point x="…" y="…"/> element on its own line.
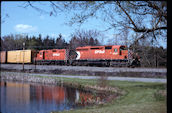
<point x="29" y="21"/>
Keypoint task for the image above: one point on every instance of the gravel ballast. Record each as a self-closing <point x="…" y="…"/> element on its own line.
<point x="88" y="71"/>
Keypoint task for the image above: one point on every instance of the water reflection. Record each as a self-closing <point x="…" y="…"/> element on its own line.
<point x="35" y="98"/>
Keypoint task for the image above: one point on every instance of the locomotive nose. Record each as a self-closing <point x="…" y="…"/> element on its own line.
<point x="78" y="55"/>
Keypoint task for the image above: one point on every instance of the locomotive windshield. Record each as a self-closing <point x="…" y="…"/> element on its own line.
<point x="123" y="48"/>
<point x="115" y="50"/>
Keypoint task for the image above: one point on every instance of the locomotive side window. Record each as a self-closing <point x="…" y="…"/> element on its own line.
<point x="95" y="48"/>
<point x="82" y="49"/>
<point x="108" y="47"/>
<point x="115" y="50"/>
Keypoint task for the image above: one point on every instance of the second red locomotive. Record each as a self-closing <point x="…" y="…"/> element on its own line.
<point x="115" y="55"/>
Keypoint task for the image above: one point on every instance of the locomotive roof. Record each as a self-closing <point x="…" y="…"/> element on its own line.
<point x="50" y="49"/>
<point x="88" y="47"/>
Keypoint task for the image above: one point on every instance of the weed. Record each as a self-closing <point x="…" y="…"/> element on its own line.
<point x="160" y="95"/>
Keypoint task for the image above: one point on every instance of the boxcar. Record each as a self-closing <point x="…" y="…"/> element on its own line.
<point x="20" y="56"/>
<point x="3" y="56"/>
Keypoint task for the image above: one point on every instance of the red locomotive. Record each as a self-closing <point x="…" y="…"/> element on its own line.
<point x="102" y="52"/>
<point x="53" y="56"/>
<point x="114" y="55"/>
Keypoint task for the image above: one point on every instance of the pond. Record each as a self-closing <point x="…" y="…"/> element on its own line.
<point x="17" y="97"/>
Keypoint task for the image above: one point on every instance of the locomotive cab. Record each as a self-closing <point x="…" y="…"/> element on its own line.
<point x="123" y="51"/>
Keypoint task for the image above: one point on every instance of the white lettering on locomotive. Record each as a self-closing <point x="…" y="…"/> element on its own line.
<point x="99" y="51"/>
<point x="56" y="54"/>
<point x="115" y="53"/>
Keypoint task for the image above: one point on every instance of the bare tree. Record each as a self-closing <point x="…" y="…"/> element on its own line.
<point x="139" y="13"/>
<point x="84" y="38"/>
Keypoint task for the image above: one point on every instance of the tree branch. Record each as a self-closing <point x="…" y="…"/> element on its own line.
<point x="150" y="30"/>
<point x="160" y="11"/>
<point x="36" y="8"/>
<point x="118" y="3"/>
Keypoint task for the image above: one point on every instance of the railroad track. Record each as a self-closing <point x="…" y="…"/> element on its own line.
<point x="83" y="68"/>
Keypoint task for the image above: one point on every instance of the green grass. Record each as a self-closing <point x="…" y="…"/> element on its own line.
<point x="139" y="98"/>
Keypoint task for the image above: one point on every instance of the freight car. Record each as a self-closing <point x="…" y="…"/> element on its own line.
<point x="115" y="55"/>
<point x="20" y="56"/>
<point x="3" y="57"/>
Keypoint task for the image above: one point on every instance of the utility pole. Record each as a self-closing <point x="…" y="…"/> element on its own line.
<point x="23" y="54"/>
<point x="35" y="53"/>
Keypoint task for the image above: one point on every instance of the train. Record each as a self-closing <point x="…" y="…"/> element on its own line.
<point x="108" y="55"/>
